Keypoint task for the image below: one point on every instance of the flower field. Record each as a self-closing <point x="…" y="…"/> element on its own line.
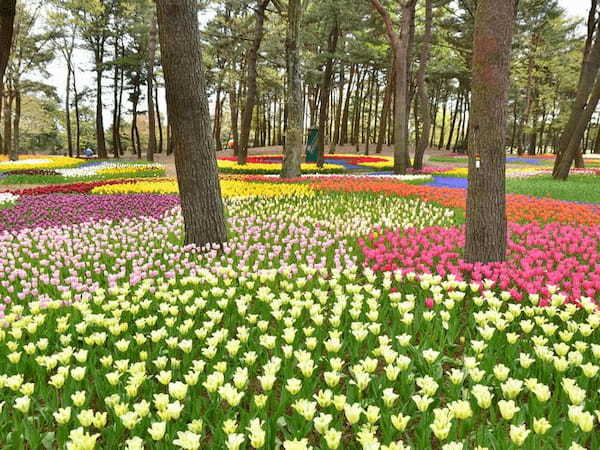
<point x="339" y="315"/>
<point x="61" y="169"/>
<point x="334" y="164"/>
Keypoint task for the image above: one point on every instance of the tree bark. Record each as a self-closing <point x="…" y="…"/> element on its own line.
<point x="14" y="154"/>
<point x="346" y="111"/>
<point x="100" y="138"/>
<point x="454" y="114"/>
<point x="115" y="128"/>
<point x="8" y="101"/>
<point x="151" y="150"/>
<point x="68" y="112"/>
<point x="233" y="108"/>
<point x="335" y="138"/>
<point x="422" y="89"/>
<point x="326" y="90"/>
<point x="8" y="11"/>
<point x="251" y="90"/>
<point x="187" y="103"/>
<point x="77" y="117"/>
<point x="293" y="142"/>
<point x="387" y="104"/>
<point x="486" y="230"/>
<point x="158" y="119"/>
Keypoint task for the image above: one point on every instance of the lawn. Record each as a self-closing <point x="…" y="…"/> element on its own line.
<point x="580" y="188"/>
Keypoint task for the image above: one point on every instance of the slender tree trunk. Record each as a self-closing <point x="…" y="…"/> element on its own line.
<point x="422" y="89"/>
<point x="434" y="108"/>
<point x="100" y="139"/>
<point x="294" y="105"/>
<point x="68" y="112"/>
<point x="14" y="154"/>
<point x="217" y="120"/>
<point x="187" y="103"/>
<point x="346" y="113"/>
<point x="387" y="103"/>
<point x="326" y="90"/>
<point x="443" y="126"/>
<point x="335" y="138"/>
<point x="8" y="101"/>
<point x="486" y="199"/>
<point x="367" y="128"/>
<point x="251" y="91"/>
<point x="233" y="107"/>
<point x="596" y="149"/>
<point x="77" y="116"/>
<point x="120" y="107"/>
<point x="151" y="150"/>
<point x="360" y="79"/>
<point x="158" y="119"/>
<point x="454" y="114"/>
<point x="115" y="129"/>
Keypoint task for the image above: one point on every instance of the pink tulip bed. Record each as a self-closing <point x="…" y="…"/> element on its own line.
<point x="340" y="314"/>
<point x="542" y="259"/>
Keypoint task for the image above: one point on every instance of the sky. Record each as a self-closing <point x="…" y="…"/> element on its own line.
<point x="575" y="8"/>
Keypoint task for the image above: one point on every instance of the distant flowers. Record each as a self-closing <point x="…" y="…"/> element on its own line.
<point x="229" y="188"/>
<point x="112" y="168"/>
<point x="6" y="198"/>
<point x="28" y="162"/>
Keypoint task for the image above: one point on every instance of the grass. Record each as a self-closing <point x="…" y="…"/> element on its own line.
<point x="581" y="188"/>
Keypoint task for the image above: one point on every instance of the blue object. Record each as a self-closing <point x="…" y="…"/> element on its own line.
<point x="449" y="182"/>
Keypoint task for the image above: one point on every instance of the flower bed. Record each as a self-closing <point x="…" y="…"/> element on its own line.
<point x="566" y="257"/>
<point x="338" y="163"/>
<point x="520" y="208"/>
<point x="229" y="188"/>
<point x="29" y="162"/>
<point x="118" y="337"/>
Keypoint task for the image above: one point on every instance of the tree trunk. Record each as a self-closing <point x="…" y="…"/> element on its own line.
<point x="217" y="120"/>
<point x="8" y="100"/>
<point x="158" y="119"/>
<point x="486" y="195"/>
<point x="422" y="89"/>
<point x="100" y="139"/>
<point x="14" y="154"/>
<point x="77" y="117"/>
<point x="335" y="138"/>
<point x="251" y="89"/>
<point x="233" y="107"/>
<point x="434" y="111"/>
<point x="115" y="128"/>
<point x="151" y="150"/>
<point x="294" y="105"/>
<point x="570" y="139"/>
<point x="457" y="106"/>
<point x="326" y="90"/>
<point x="443" y="126"/>
<point x="8" y="10"/>
<point x="573" y="151"/>
<point x="68" y="112"/>
<point x="387" y="103"/>
<point x="187" y="103"/>
<point x="346" y="113"/>
<point x="120" y="108"/>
